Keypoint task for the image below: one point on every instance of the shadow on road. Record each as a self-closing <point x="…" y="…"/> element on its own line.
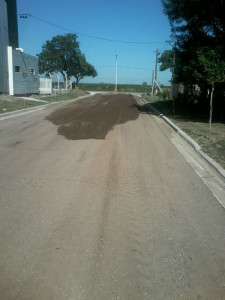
<point x="145" y="109"/>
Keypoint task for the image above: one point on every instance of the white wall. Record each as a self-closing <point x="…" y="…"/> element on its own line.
<point x="45" y="85"/>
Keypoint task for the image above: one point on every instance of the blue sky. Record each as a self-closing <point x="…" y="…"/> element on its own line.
<point x="127" y="21"/>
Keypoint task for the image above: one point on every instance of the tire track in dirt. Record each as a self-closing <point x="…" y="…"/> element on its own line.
<point x="125" y="227"/>
<point x="137" y="213"/>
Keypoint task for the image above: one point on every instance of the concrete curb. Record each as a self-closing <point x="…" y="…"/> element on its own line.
<point x="33" y="99"/>
<point x="21" y="112"/>
<point x="36" y="108"/>
<point x="188" y="140"/>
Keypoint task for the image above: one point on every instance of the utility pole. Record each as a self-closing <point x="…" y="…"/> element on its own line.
<point x="211" y="110"/>
<point x="116" y="76"/>
<point x="154" y="82"/>
<point x="156" y="64"/>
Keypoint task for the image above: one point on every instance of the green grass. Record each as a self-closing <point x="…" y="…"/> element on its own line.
<point x="196" y="126"/>
<point x="109" y="87"/>
<point x="10" y="103"/>
<point x="17" y="104"/>
<point x="221" y="143"/>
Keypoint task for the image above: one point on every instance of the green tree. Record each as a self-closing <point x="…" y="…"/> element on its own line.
<point x="195" y="25"/>
<point x="197" y="29"/>
<point x="80" y="68"/>
<point x="212" y="69"/>
<point x="145" y="86"/>
<point x="62" y="54"/>
<point x="166" y="60"/>
<point x="205" y="66"/>
<point x="196" y="17"/>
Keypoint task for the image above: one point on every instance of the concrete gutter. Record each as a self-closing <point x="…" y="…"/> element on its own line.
<point x="33" y="99"/>
<point x="21" y="112"/>
<point x="189" y="140"/>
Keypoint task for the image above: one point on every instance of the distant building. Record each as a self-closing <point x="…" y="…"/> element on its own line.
<point x="23" y="73"/>
<point x="18" y="71"/>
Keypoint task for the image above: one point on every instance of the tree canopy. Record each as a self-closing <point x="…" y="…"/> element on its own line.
<point x="166" y="60"/>
<point x="62" y="54"/>
<point x="196" y="18"/>
<point x="198" y="28"/>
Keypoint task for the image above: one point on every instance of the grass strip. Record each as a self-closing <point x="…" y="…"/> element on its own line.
<point x="196" y="126"/>
<point x="11" y="103"/>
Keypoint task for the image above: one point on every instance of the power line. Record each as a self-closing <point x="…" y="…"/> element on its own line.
<point x="125" y="67"/>
<point x="24" y="16"/>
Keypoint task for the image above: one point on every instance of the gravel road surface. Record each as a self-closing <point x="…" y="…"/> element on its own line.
<point x="97" y="202"/>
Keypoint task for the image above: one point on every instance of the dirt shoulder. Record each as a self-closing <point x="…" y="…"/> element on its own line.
<point x="13" y="103"/>
<point x="197" y="128"/>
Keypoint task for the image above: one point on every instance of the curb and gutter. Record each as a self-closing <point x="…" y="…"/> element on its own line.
<point x="188" y="140"/>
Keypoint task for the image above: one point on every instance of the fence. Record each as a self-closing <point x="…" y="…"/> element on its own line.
<point x="59" y="88"/>
<point x="45" y="86"/>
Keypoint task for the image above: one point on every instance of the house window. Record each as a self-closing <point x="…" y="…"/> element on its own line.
<point x="32" y="71"/>
<point x="17" y="69"/>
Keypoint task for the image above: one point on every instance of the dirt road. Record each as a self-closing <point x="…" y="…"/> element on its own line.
<point x="96" y="202"/>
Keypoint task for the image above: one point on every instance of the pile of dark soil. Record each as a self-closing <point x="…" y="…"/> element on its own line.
<point x="93" y="117"/>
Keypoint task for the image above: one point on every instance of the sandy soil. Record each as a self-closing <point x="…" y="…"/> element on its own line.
<point x="104" y="210"/>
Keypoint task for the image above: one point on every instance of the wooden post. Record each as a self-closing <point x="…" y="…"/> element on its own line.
<point x="211" y="110"/>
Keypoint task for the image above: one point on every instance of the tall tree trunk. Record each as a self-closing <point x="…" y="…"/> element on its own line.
<point x="211" y="110"/>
